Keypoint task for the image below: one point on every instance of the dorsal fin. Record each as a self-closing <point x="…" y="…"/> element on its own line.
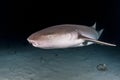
<point x="94" y="26"/>
<point x="100" y="32"/>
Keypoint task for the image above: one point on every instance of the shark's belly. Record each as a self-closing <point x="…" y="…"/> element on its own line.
<point x="63" y="41"/>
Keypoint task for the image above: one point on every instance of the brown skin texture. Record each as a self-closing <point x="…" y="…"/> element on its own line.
<point x="58" y="33"/>
<point x="58" y="30"/>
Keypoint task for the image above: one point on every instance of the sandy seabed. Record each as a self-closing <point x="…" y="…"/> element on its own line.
<point x="23" y="62"/>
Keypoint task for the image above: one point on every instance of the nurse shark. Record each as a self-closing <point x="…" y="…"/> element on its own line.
<point x="66" y="36"/>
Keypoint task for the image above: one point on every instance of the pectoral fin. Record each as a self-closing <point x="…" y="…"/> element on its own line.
<point x="98" y="42"/>
<point x="86" y="40"/>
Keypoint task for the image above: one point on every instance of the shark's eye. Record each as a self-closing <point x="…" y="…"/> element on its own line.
<point x="85" y="43"/>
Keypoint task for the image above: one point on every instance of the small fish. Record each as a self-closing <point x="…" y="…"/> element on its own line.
<point x="65" y="36"/>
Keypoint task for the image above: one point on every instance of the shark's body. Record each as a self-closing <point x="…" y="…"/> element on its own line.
<point x="65" y="36"/>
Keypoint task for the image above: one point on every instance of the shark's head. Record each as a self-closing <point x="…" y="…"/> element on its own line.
<point x="40" y="42"/>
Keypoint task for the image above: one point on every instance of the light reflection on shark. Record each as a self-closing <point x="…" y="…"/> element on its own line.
<point x="65" y="36"/>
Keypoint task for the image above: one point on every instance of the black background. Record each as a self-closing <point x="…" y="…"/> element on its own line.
<point x="21" y="18"/>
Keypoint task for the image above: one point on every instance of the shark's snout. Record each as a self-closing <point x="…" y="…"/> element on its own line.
<point x="33" y="42"/>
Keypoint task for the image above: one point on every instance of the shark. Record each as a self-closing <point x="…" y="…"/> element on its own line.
<point x="66" y="36"/>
